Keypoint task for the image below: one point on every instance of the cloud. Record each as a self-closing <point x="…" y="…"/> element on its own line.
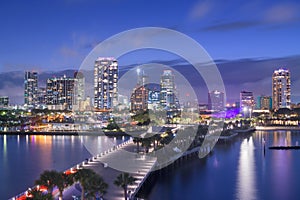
<point x="79" y="46"/>
<point x="84" y="41"/>
<point x="14" y="92"/>
<point x="200" y="9"/>
<point x="231" y="26"/>
<point x="274" y="16"/>
<point x="282" y="13"/>
<point x="68" y="52"/>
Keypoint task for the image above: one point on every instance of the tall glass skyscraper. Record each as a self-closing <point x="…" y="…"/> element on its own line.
<point x="79" y="89"/>
<point x="60" y="93"/>
<point x="216" y="100"/>
<point x="139" y="95"/>
<point x="246" y="103"/>
<point x="167" y="92"/>
<point x="106" y="73"/>
<point x="281" y="89"/>
<point x="31" y="88"/>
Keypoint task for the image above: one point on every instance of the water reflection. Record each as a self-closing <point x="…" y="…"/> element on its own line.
<point x="97" y="144"/>
<point x="282" y="162"/>
<point x="246" y="183"/>
<point x="282" y="138"/>
<point x="4" y="147"/>
<point x="240" y="171"/>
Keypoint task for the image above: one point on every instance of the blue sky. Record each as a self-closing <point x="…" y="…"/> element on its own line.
<point x="58" y="34"/>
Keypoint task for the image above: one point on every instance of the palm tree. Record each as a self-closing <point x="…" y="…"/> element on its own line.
<point x="146" y="142"/>
<point x="62" y="180"/>
<point x="137" y="140"/>
<point x="95" y="185"/>
<point x="84" y="176"/>
<point x="47" y="179"/>
<point x="123" y="180"/>
<point x="53" y="178"/>
<point x="36" y="194"/>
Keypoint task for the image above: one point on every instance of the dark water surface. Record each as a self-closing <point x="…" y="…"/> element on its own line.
<point x="236" y="170"/>
<point x="23" y="158"/>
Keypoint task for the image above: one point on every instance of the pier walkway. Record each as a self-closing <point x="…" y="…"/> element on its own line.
<point x="139" y="167"/>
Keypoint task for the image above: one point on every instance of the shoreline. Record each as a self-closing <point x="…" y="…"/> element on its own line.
<point x="66" y="133"/>
<point x="272" y="128"/>
<point x="120" y="133"/>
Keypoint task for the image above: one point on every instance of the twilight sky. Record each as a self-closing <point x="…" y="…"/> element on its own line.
<point x="58" y="34"/>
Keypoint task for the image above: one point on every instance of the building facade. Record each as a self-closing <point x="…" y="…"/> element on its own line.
<point x="246" y="103"/>
<point x="31" y="88"/>
<point x="4" y="101"/>
<point x="139" y="99"/>
<point x="264" y="102"/>
<point x="60" y="93"/>
<point x="79" y="89"/>
<point x="106" y="74"/>
<point x="216" y="101"/>
<point x="167" y="89"/>
<point x="281" y="89"/>
<point x="42" y="96"/>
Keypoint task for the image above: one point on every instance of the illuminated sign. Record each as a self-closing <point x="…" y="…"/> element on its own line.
<point x="153" y="96"/>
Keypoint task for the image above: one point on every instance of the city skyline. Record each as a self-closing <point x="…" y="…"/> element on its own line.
<point x="79" y="88"/>
<point x="115" y="99"/>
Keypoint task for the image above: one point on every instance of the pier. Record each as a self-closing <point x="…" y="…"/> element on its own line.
<point x="104" y="164"/>
<point x="124" y="158"/>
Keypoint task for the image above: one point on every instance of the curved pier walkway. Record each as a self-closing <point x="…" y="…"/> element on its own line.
<point x="107" y="164"/>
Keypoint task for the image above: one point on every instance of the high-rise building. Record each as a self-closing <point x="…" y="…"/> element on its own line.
<point x="42" y="96"/>
<point x="281" y="89"/>
<point x="31" y="88"/>
<point x="216" y="100"/>
<point x="105" y="83"/>
<point x="264" y="102"/>
<point x="167" y="91"/>
<point x="60" y="93"/>
<point x="142" y="78"/>
<point x="139" y="96"/>
<point x="79" y="94"/>
<point x="139" y="99"/>
<point x="246" y="103"/>
<point x="4" y="100"/>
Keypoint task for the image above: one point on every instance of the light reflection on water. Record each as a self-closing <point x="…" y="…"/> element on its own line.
<point x="23" y="158"/>
<point x="236" y="169"/>
<point x="246" y="183"/>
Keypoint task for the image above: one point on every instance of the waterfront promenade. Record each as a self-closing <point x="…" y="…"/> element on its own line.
<point x="105" y="164"/>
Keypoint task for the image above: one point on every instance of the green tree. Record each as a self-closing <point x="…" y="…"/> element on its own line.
<point x="83" y="176"/>
<point x="137" y="140"/>
<point x="123" y="180"/>
<point x="146" y="142"/>
<point x="47" y="179"/>
<point x="61" y="180"/>
<point x="53" y="178"/>
<point x="36" y="194"/>
<point x="95" y="185"/>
